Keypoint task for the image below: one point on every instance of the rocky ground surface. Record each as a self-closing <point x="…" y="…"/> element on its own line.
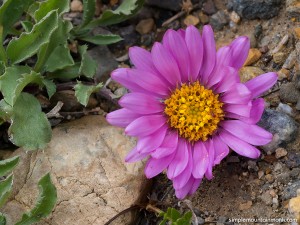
<point x="241" y="188"/>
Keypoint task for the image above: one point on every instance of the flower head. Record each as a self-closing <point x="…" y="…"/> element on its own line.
<point x="187" y="106"/>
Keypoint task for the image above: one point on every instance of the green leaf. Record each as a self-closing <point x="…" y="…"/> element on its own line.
<point x="163" y="222"/>
<point x="5" y="189"/>
<point x="59" y="59"/>
<point x="123" y="12"/>
<point x="28" y="44"/>
<point x="9" y="82"/>
<point x="67" y="73"/>
<point x="15" y="79"/>
<point x="58" y="37"/>
<point x="10" y="13"/>
<point x="2" y="219"/>
<point x="45" y="202"/>
<point x="88" y="66"/>
<point x="33" y="8"/>
<point x="175" y="215"/>
<point x="7" y="165"/>
<point x="62" y="6"/>
<point x="30" y="127"/>
<point x="83" y="92"/>
<point x="89" y="7"/>
<point x="27" y="25"/>
<point x="102" y="39"/>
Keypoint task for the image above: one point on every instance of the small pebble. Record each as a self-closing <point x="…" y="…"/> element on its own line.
<point x="235" y="17"/>
<point x="269" y="178"/>
<point x="191" y="20"/>
<point x="260" y="174"/>
<point x="253" y="56"/>
<point x="280" y="152"/>
<point x="145" y="26"/>
<point x="76" y="6"/>
<point x="279" y="57"/>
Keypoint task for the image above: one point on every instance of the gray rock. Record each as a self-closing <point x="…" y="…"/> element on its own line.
<point x="266" y="198"/>
<point x="293" y="160"/>
<point x="283" y="127"/>
<point x="292" y="8"/>
<point x="200" y="221"/>
<point x="298" y="104"/>
<point x="255" y="9"/>
<point x="222" y="219"/>
<point x="209" y="7"/>
<point x="290" y="61"/>
<point x="289" y="93"/>
<point x="219" y="20"/>
<point x="285" y="109"/>
<point x="105" y="60"/>
<point x="290" y="191"/>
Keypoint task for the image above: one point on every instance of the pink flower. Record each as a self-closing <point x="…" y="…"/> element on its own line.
<point x="187" y="106"/>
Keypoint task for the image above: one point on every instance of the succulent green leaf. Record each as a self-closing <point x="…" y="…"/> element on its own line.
<point x="5" y="189"/>
<point x="2" y="219"/>
<point x="30" y="127"/>
<point x="175" y="215"/>
<point x="83" y="92"/>
<point x="10" y="13"/>
<point x="7" y="165"/>
<point x="58" y="38"/>
<point x="88" y="66"/>
<point x="27" y="25"/>
<point x="9" y="82"/>
<point x="67" y="73"/>
<point x="28" y="44"/>
<point x="33" y="8"/>
<point x="163" y="222"/>
<point x="89" y="7"/>
<point x="102" y="39"/>
<point x="15" y="79"/>
<point x="45" y="202"/>
<point x="123" y="12"/>
<point x="59" y="59"/>
<point x="62" y="6"/>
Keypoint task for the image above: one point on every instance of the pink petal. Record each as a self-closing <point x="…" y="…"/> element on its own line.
<point x="195" y="186"/>
<point x="209" y="53"/>
<point x="141" y="103"/>
<point x="190" y="188"/>
<point x="121" y="117"/>
<point x="156" y="166"/>
<point x="165" y="64"/>
<point x="149" y="82"/>
<point x="239" y="51"/>
<point x="223" y="58"/>
<point x="221" y="149"/>
<point x="262" y="83"/>
<point x="241" y="110"/>
<point x="195" y="47"/>
<point x="180" y="180"/>
<point x="211" y="156"/>
<point x="177" y="47"/>
<point x="121" y="75"/>
<point x="145" y="125"/>
<point x="230" y="78"/>
<point x="257" y="109"/>
<point x="168" y="146"/>
<point x="200" y="160"/>
<point x="180" y="160"/>
<point x="142" y="59"/>
<point x="181" y="32"/>
<point x="251" y="134"/>
<point x="239" y="146"/>
<point x="238" y="94"/>
<point x="153" y="141"/>
<point x="134" y="156"/>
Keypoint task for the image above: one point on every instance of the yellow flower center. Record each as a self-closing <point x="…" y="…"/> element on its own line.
<point x="194" y="111"/>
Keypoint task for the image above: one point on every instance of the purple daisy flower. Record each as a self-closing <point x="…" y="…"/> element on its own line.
<point x="187" y="106"/>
